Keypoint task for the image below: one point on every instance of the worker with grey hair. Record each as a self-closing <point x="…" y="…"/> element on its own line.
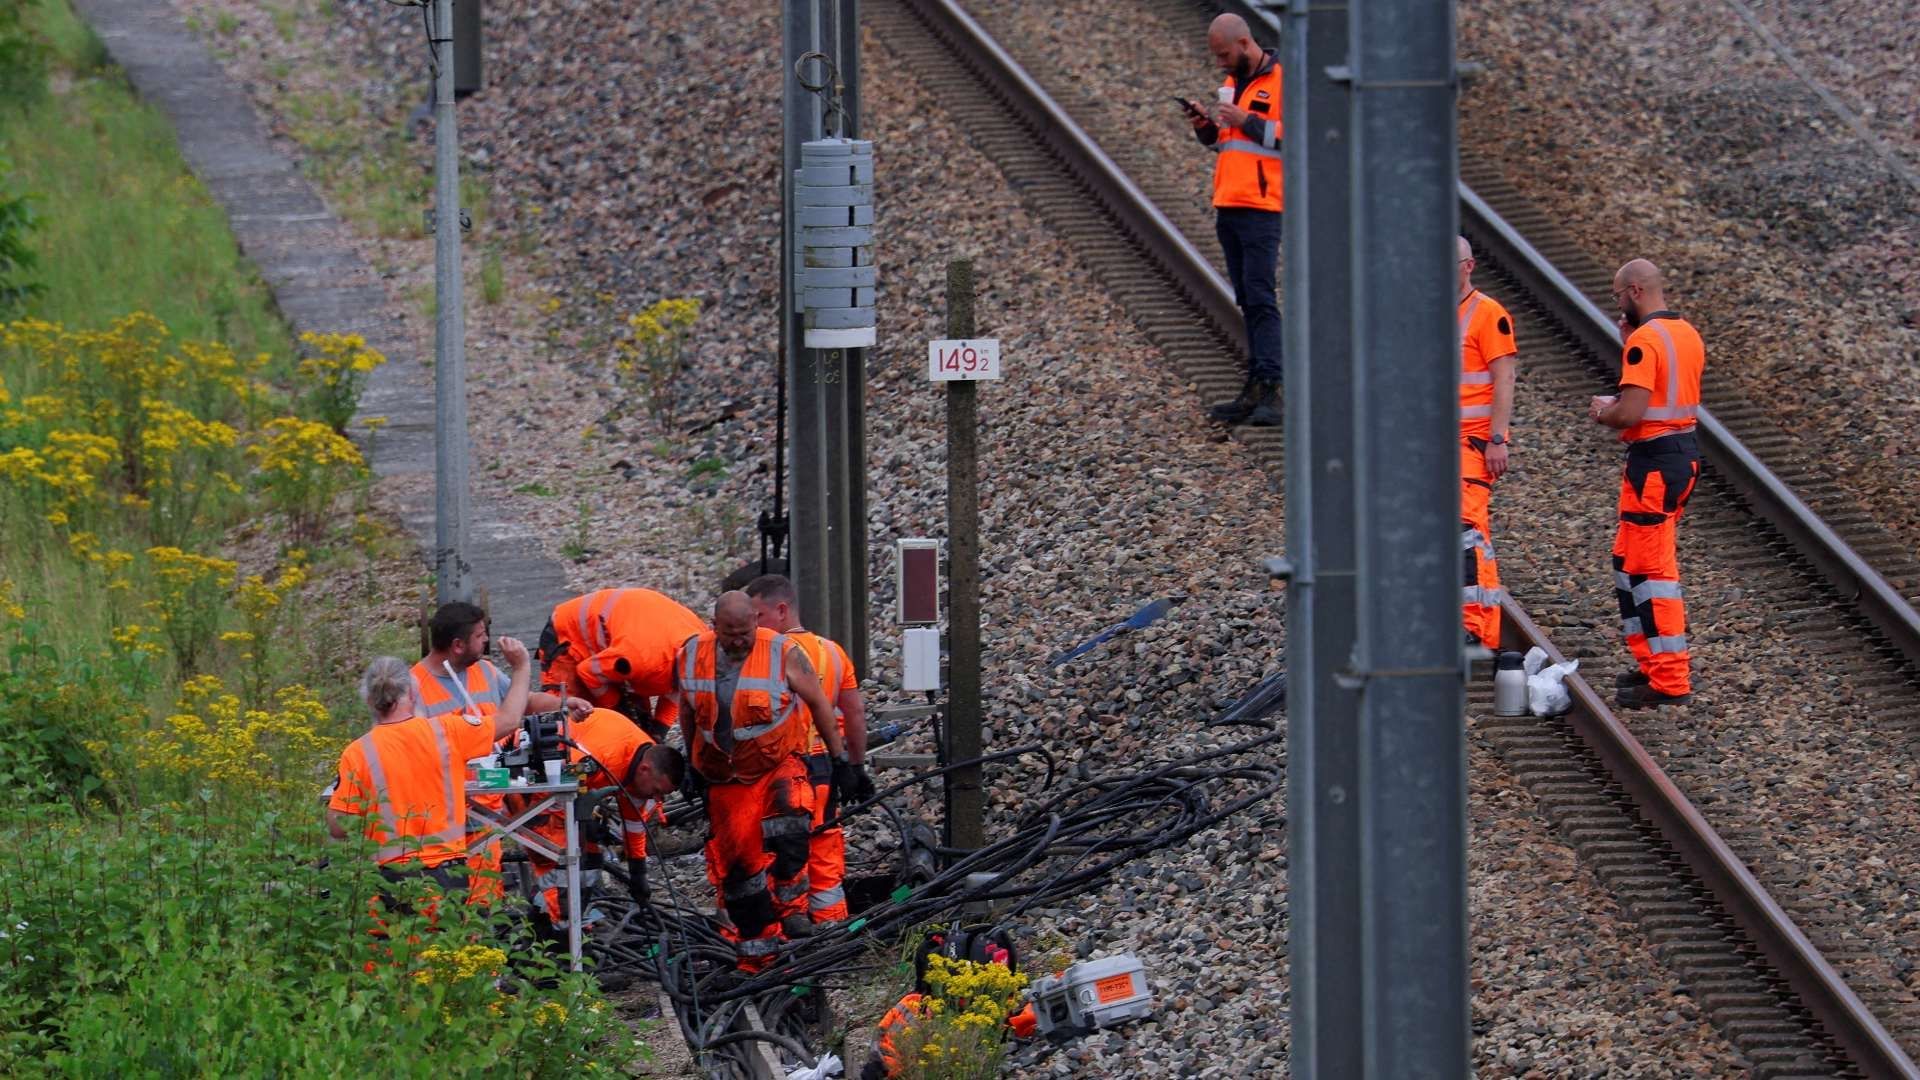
<point x="406" y="777"/>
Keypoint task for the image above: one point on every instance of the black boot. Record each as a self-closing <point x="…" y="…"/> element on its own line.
<point x="1266" y="406"/>
<point x="1232" y="412"/>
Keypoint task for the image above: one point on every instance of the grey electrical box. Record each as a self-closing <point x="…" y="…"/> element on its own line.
<point x="834" y="272"/>
<point x="468" y="77"/>
<point x="1092" y="995"/>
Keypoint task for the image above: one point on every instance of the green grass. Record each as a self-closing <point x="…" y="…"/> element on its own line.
<point x="124" y="225"/>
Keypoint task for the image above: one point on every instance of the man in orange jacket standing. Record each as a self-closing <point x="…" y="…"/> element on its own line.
<point x="777" y="604"/>
<point x="1661" y="366"/>
<point x="407" y="776"/>
<point x="615" y="647"/>
<point x="1487" y="361"/>
<point x="1243" y="128"/>
<point x="747" y="699"/>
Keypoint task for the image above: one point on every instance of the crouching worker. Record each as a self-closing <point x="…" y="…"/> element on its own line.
<point x="741" y="691"/>
<point x="406" y="777"/>
<point x="620" y="760"/>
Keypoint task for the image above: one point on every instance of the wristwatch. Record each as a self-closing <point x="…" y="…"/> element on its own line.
<point x="1498" y="440"/>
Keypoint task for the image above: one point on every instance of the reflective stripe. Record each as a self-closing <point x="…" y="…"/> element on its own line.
<point x="793" y="890"/>
<point x="1473" y="540"/>
<point x="594" y="668"/>
<point x="631" y="827"/>
<point x="438" y="708"/>
<point x="747" y="886"/>
<point x="1673" y="643"/>
<point x="827" y="898"/>
<point x="1622" y="581"/>
<point x="1631" y="627"/>
<point x="1475" y="594"/>
<point x="1476" y="378"/>
<point x="398" y="846"/>
<point x="1476" y="412"/>
<point x="1655" y="590"/>
<point x="785" y="825"/>
<point x="1244" y="145"/>
<point x="1671" y="410"/>
<point x="1466" y="320"/>
<point x="760" y="946"/>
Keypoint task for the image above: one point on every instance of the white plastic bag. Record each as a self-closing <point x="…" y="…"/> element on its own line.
<point x="827" y="1066"/>
<point x="1547" y="685"/>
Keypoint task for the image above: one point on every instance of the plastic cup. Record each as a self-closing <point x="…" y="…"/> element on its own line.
<point x="1225" y="94"/>
<point x="553" y="771"/>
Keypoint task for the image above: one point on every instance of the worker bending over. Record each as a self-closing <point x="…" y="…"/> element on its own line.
<point x="741" y="691"/>
<point x="615" y="757"/>
<point x="776" y="604"/>
<point x="616" y="648"/>
<point x="1487" y="361"/>
<point x="458" y="636"/>
<point x="407" y="776"/>
<point x="1243" y="128"/>
<point x="1660" y="373"/>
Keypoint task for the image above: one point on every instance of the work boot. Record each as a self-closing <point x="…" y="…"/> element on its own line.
<point x="1232" y="412"/>
<point x="1266" y="406"/>
<point x="1625" y="679"/>
<point x="1646" y="697"/>
<point x="797" y="926"/>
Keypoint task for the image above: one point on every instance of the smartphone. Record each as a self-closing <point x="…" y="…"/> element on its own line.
<point x="1190" y="107"/>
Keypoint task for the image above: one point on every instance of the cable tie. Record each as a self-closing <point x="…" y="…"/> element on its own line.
<point x="854" y="926"/>
<point x="902" y="893"/>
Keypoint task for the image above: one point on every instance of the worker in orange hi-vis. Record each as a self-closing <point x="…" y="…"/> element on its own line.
<point x="777" y="604"/>
<point x="1661" y="365"/>
<point x="406" y="777"/>
<point x="616" y="648"/>
<point x="458" y="636"/>
<point x="747" y="699"/>
<point x="615" y="757"/>
<point x="1488" y="358"/>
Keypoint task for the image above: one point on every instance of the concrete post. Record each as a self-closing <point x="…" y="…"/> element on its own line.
<point x="452" y="513"/>
<point x="966" y="825"/>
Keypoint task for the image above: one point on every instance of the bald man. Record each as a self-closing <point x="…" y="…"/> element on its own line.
<point x="747" y="699"/>
<point x="1243" y="128"/>
<point x="1488" y="356"/>
<point x="1661" y="364"/>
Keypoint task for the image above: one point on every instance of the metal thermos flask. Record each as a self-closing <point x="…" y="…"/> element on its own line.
<point x="1509" y="686"/>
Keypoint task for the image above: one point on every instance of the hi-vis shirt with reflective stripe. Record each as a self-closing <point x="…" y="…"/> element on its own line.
<point x="1486" y="335"/>
<point x="628" y="636"/>
<point x="1247" y="172"/>
<point x="768" y="720"/>
<point x="1664" y="356"/>
<point x="835" y="669"/>
<point x="434" y="694"/>
<point x="443" y="827"/>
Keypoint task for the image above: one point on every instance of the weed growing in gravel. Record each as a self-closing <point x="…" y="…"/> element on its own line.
<point x="333" y="375"/>
<point x="648" y="361"/>
<point x="493" y="278"/>
<point x="959" y="1032"/>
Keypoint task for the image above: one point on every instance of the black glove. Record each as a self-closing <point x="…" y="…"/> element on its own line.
<point x="863" y="789"/>
<point x="637" y="882"/>
<point x="847" y="781"/>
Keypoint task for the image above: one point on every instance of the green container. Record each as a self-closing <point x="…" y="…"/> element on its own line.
<point x="491" y="778"/>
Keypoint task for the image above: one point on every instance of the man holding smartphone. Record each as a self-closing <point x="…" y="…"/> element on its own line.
<point x="1243" y="128"/>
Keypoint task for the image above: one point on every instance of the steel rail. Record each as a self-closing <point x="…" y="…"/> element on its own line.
<point x="1820" y="988"/>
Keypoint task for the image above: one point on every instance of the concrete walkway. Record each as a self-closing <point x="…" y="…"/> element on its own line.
<point x="320" y="283"/>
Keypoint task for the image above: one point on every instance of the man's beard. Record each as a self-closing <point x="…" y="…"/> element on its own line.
<point x="1244" y="67"/>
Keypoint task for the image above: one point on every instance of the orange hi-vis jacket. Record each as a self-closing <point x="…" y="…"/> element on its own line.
<point x="1665" y="356"/>
<point x="767" y="723"/>
<point x="1247" y="172"/>
<point x="617" y="744"/>
<point x="835" y="669"/>
<point x="434" y="693"/>
<point x="408" y="780"/>
<point x="625" y="637"/>
<point x="1486" y="335"/>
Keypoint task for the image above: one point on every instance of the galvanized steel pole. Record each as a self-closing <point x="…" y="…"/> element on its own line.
<point x="1408" y="661"/>
<point x="452" y="572"/>
<point x="1323" y="738"/>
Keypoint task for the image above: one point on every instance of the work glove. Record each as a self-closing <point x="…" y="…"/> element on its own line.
<point x="637" y="882"/>
<point x="863" y="788"/>
<point x="846" y="784"/>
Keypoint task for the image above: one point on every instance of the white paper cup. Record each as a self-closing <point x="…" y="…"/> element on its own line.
<point x="553" y="771"/>
<point x="1225" y="94"/>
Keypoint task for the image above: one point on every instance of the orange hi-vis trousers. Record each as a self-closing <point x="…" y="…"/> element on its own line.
<point x="1480" y="592"/>
<point x="757" y="856"/>
<point x="1659" y="477"/>
<point x="827" y="853"/>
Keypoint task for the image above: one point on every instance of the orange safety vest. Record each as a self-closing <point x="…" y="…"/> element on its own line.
<point x="627" y="636"/>
<point x="1486" y="335"/>
<point x="835" y="669"/>
<point x="434" y="693"/>
<point x="1247" y="172"/>
<point x="1666" y="357"/>
<point x="409" y="775"/>
<point x="769" y="721"/>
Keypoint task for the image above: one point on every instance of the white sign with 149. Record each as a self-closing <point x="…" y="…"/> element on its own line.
<point x="963" y="359"/>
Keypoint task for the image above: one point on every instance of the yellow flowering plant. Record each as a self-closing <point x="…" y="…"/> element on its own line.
<point x="302" y="466"/>
<point x="960" y="1030"/>
<point x="214" y="739"/>
<point x="189" y="592"/>
<point x="333" y="374"/>
<point x="262" y="604"/>
<point x="647" y="362"/>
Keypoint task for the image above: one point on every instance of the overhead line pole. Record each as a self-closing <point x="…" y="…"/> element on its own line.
<point x="452" y="491"/>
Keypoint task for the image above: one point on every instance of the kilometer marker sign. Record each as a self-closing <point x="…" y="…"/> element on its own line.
<point x="963" y="359"/>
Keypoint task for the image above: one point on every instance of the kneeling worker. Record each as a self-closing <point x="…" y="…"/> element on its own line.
<point x="616" y="647"/>
<point x="741" y="689"/>
<point x="638" y="772"/>
<point x="407" y="776"/>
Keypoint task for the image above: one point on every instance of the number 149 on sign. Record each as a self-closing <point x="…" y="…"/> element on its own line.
<point x="963" y="359"/>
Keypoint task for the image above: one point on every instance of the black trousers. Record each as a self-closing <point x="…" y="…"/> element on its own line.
<point x="1251" y="241"/>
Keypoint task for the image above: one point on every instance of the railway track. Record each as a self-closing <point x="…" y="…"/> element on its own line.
<point x="1779" y="967"/>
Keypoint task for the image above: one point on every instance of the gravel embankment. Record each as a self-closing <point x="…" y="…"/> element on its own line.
<point x="1672" y="131"/>
<point x="1101" y="491"/>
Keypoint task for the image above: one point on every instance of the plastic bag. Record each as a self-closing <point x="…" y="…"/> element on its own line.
<point x="828" y="1065"/>
<point x="1547" y="685"/>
